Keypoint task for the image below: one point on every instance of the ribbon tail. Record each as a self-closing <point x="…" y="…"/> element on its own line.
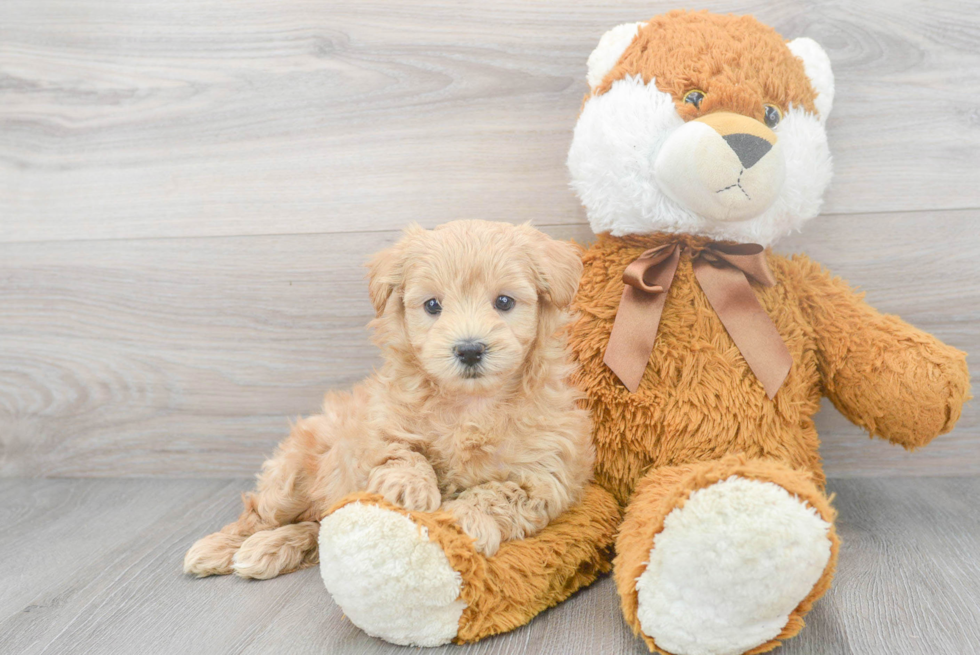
<point x="637" y="321"/>
<point x="750" y="327"/>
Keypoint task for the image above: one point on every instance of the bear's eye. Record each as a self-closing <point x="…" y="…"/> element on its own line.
<point x="773" y="115"/>
<point x="432" y="307"/>
<point x="504" y="303"/>
<point x="694" y="97"/>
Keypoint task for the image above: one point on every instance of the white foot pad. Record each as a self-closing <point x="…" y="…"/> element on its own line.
<point x="729" y="567"/>
<point x="388" y="578"/>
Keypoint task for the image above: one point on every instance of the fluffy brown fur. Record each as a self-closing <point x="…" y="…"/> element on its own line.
<point x="739" y="63"/>
<point x="501" y="447"/>
<point x="700" y="415"/>
<point x="699" y="401"/>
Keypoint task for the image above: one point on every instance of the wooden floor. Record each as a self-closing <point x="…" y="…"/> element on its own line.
<point x="93" y="566"/>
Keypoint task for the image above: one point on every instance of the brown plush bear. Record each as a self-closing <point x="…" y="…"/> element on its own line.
<point x="703" y="356"/>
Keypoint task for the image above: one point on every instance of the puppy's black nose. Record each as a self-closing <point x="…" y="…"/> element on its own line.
<point x="469" y="353"/>
<point x="748" y="147"/>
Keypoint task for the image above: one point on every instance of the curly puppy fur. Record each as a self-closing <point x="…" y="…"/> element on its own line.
<point x="501" y="445"/>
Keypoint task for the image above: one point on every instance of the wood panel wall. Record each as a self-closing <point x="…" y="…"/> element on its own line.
<point x="188" y="191"/>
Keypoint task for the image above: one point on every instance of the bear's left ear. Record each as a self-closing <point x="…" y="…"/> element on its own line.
<point x="816" y="63"/>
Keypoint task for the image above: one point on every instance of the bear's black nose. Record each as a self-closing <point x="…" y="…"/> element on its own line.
<point x="748" y="147"/>
<point x="469" y="353"/>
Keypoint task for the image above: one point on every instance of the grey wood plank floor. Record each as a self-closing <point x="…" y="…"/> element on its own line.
<point x="93" y="566"/>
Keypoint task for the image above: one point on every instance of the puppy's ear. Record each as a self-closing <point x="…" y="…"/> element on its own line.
<point x="386" y="270"/>
<point x="557" y="267"/>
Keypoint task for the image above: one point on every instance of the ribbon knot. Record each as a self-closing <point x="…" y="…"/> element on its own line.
<point x="723" y="272"/>
<point x="641" y="274"/>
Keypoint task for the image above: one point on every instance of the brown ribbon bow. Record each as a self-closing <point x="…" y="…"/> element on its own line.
<point x="722" y="270"/>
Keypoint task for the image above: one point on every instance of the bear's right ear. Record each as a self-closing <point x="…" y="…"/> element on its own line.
<point x="816" y="63"/>
<point x="386" y="270"/>
<point x="611" y="47"/>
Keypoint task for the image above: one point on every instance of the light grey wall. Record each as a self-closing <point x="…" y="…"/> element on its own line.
<point x="188" y="191"/>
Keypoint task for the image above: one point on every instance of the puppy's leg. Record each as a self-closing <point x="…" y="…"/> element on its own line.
<point x="325" y="457"/>
<point x="501" y="511"/>
<point x="212" y="554"/>
<point x="275" y="552"/>
<point x="406" y="478"/>
<point x="279" y="498"/>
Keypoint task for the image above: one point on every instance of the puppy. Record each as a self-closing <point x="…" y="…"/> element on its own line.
<point x="470" y="412"/>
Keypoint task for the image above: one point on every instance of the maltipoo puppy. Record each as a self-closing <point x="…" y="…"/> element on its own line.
<point x="471" y="411"/>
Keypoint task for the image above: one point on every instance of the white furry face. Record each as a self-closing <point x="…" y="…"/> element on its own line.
<point x="639" y="168"/>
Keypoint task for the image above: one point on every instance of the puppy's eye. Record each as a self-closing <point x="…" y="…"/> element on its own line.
<point x="504" y="303"/>
<point x="694" y="97"/>
<point x="773" y="115"/>
<point x="432" y="307"/>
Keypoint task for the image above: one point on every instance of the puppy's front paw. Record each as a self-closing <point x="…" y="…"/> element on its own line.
<point x="406" y="487"/>
<point x="212" y="555"/>
<point x="477" y="524"/>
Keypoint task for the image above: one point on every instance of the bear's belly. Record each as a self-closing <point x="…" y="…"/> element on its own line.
<point x="698" y="399"/>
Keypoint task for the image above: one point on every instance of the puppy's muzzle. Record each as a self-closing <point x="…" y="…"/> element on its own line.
<point x="470" y="353"/>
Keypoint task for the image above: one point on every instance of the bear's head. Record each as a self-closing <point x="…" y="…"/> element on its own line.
<point x="703" y="124"/>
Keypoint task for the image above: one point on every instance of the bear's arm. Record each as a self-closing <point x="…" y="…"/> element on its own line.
<point x="890" y="378"/>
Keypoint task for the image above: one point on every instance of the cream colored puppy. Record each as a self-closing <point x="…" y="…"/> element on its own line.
<point x="470" y="411"/>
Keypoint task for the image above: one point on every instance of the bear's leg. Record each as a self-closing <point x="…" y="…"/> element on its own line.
<point x="724" y="557"/>
<point x="414" y="578"/>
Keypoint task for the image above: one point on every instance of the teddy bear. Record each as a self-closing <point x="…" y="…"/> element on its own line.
<point x="703" y="357"/>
